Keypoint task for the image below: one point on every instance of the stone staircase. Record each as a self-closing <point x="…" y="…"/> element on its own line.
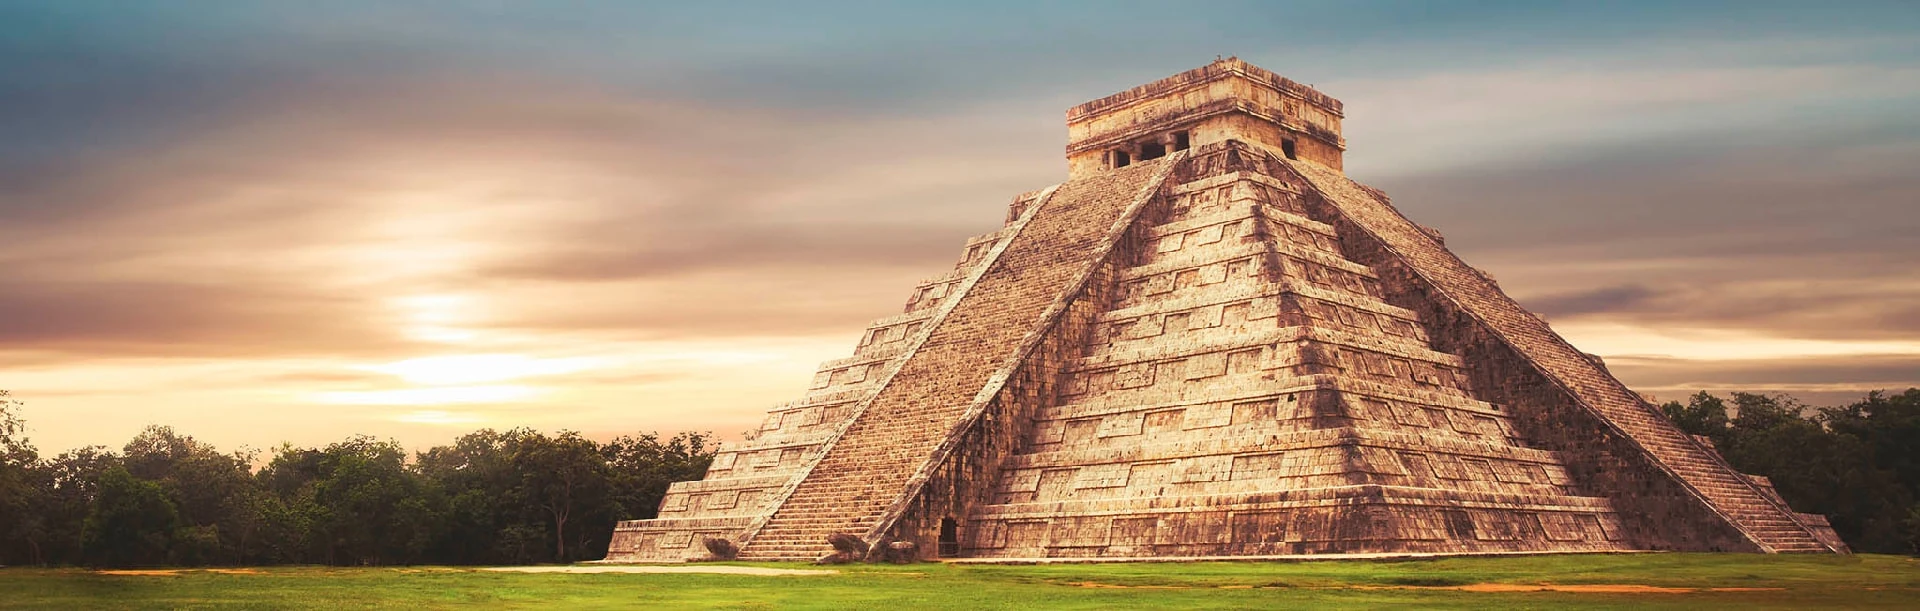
<point x="1299" y="410"/>
<point x="1730" y="493"/>
<point x="1767" y="523"/>
<point x="866" y="470"/>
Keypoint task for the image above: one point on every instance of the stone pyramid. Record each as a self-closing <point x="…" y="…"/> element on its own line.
<point x="1210" y="342"/>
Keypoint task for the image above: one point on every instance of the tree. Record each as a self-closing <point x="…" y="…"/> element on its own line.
<point x="366" y="505"/>
<point x="480" y="494"/>
<point x="643" y="467"/>
<point x="18" y="493"/>
<point x="212" y="491"/>
<point x="1853" y="464"/>
<point x="520" y="496"/>
<point x="640" y="468"/>
<point x="286" y="508"/>
<point x="131" y="524"/>
<point x="560" y="475"/>
<point x="1890" y="426"/>
<point x="1704" y="415"/>
<point x="280" y="529"/>
<point x="69" y="485"/>
<point x="517" y="496"/>
<point x="1913" y="529"/>
<point x="1887" y="430"/>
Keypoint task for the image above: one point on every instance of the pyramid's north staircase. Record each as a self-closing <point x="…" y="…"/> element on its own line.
<point x="1763" y="519"/>
<point x="1245" y="391"/>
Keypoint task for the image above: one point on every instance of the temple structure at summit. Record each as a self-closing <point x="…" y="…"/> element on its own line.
<point x="1208" y="341"/>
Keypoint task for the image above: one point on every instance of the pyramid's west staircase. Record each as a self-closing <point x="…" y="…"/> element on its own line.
<point x="865" y="470"/>
<point x="748" y="477"/>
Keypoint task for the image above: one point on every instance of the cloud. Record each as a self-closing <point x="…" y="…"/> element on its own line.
<point x="1550" y="108"/>
<point x="204" y="246"/>
<point x="213" y="219"/>
<point x="794" y="249"/>
<point x="157" y="318"/>
<point x="1885" y="308"/>
<point x="1836" y="380"/>
<point x="1850" y="373"/>
<point x="1807" y="234"/>
<point x="1608" y="299"/>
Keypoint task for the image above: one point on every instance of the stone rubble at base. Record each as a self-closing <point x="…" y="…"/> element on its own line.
<point x="1209" y="342"/>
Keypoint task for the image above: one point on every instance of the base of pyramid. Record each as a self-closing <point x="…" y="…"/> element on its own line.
<point x="670" y="540"/>
<point x="1364" y="519"/>
<point x="1280" y="557"/>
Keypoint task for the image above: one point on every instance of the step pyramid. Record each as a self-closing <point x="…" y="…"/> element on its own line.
<point x="1209" y="341"/>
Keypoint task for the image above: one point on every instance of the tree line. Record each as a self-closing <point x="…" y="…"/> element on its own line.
<point x="521" y="496"/>
<point x="490" y="497"/>
<point x="1857" y="464"/>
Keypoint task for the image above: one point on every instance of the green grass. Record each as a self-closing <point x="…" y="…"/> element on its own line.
<point x="1771" y="582"/>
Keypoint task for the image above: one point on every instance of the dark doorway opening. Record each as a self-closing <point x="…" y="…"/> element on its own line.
<point x="1120" y="159"/>
<point x="949" y="538"/>
<point x="1180" y="141"/>
<point x="1286" y="147"/>
<point x="1152" y="151"/>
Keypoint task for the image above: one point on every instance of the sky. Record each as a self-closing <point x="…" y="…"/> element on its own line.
<point x="278" y="222"/>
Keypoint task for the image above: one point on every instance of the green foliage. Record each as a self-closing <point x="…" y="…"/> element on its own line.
<point x="1858" y="464"/>
<point x="1913" y="528"/>
<point x="521" y="496"/>
<point x="67" y="486"/>
<point x="366" y="506"/>
<point x="512" y="497"/>
<point x="561" y="475"/>
<point x="131" y="524"/>
<point x="1704" y="414"/>
<point x="1889" y="426"/>
<point x="18" y="493"/>
<point x="213" y="493"/>
<point x="643" y="466"/>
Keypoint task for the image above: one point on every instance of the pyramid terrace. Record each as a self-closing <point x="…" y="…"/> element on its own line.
<point x="1207" y="342"/>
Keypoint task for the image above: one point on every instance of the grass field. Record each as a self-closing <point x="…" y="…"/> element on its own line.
<point x="1576" y="581"/>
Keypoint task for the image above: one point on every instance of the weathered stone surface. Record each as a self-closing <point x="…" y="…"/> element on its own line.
<point x="720" y="548"/>
<point x="901" y="552"/>
<point x="1213" y="344"/>
<point x="847" y="544"/>
<point x="846" y="548"/>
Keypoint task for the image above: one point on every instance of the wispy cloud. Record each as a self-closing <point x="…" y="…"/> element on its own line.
<point x="1470" y="119"/>
<point x="265" y="223"/>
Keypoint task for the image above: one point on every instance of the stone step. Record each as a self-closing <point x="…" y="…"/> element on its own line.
<point x="1476" y="294"/>
<point x="863" y="473"/>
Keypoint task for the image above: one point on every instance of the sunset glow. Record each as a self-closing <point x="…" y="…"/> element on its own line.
<point x="261" y="226"/>
<point x="474" y="368"/>
<point x="430" y="396"/>
<point x="1720" y="344"/>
